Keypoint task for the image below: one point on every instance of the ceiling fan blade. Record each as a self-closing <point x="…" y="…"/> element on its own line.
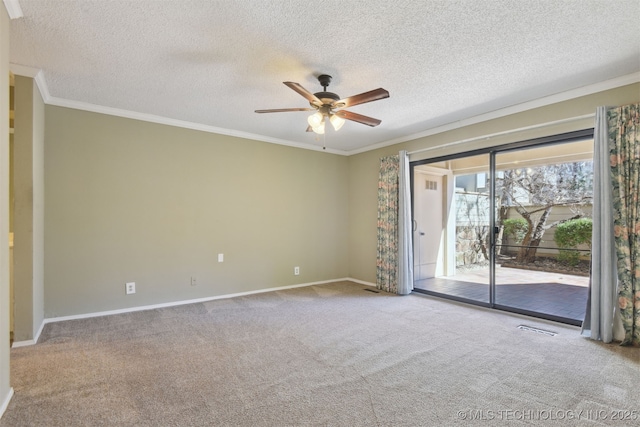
<point x="302" y="91"/>
<point x="355" y="117"/>
<point x="283" y="110"/>
<point x="372" y="95"/>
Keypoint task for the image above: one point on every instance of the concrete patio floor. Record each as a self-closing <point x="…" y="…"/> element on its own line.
<point x="550" y="294"/>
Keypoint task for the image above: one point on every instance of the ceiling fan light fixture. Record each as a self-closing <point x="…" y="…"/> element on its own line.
<point x="319" y="129"/>
<point x="316" y="119"/>
<point x="336" y="122"/>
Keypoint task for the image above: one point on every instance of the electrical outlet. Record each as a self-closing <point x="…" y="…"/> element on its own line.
<point x="130" y="288"/>
<point x="296" y="271"/>
<point x="194" y="280"/>
<point x="220" y="257"/>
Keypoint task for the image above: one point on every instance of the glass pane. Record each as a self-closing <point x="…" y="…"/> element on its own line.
<point x="542" y="193"/>
<point x="451" y="212"/>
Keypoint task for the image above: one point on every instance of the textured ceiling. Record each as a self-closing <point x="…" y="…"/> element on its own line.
<point x="214" y="62"/>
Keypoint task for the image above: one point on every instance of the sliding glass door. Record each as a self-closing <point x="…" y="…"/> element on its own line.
<point x="507" y="228"/>
<point x="542" y="194"/>
<point x="451" y="228"/>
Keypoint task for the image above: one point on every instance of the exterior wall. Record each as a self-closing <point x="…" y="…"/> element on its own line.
<point x="472" y="228"/>
<point x="558" y="213"/>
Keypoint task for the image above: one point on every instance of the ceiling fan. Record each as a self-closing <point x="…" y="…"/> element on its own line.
<point x="329" y="107"/>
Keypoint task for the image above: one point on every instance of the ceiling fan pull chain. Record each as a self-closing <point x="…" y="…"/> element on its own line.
<point x="324" y="141"/>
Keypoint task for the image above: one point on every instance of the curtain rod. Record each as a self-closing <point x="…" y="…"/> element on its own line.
<point x="506" y="132"/>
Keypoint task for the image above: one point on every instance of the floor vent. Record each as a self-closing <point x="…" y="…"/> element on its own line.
<point x="537" y="330"/>
<point x="372" y="290"/>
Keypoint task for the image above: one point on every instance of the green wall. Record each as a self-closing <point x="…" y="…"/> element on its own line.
<point x="5" y="389"/>
<point x="28" y="209"/>
<point x="132" y="201"/>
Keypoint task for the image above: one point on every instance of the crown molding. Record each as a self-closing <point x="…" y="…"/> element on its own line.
<point x="77" y="105"/>
<point x="38" y="76"/>
<point x="518" y="108"/>
<point x="13" y="9"/>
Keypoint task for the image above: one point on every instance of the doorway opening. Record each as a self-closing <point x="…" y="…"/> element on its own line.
<point x="496" y="227"/>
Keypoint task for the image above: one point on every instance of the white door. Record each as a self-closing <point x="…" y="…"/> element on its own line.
<point x="428" y="200"/>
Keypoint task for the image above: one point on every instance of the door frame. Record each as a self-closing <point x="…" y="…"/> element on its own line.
<point x="557" y="139"/>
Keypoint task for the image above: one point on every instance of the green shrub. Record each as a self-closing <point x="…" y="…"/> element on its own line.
<point x="516" y="228"/>
<point x="569" y="257"/>
<point x="569" y="235"/>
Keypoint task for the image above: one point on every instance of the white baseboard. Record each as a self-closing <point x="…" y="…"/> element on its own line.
<point x="31" y="341"/>
<point x="362" y="282"/>
<point x="37" y="336"/>
<point x="24" y="343"/>
<point x="6" y="401"/>
<point x="173" y="304"/>
<point x="183" y="302"/>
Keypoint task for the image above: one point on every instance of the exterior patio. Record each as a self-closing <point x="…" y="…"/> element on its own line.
<point x="557" y="296"/>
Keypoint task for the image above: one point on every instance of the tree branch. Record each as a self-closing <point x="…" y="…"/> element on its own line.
<point x="560" y="221"/>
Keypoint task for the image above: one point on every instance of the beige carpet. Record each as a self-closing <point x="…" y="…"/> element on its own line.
<point x="328" y="355"/>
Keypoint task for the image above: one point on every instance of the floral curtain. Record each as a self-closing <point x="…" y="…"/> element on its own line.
<point x="387" y="255"/>
<point x="624" y="148"/>
<point x="394" y="261"/>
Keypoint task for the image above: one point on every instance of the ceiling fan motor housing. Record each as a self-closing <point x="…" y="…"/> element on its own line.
<point x="327" y="97"/>
<point x="324" y="96"/>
